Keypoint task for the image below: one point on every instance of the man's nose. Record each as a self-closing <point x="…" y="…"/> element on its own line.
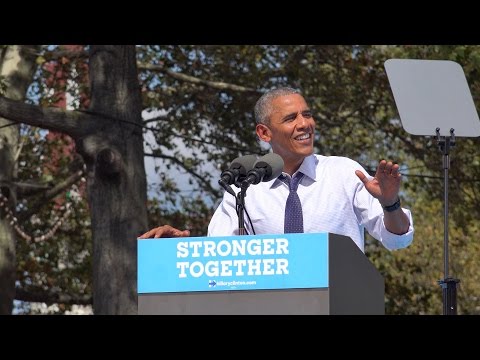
<point x="302" y="122"/>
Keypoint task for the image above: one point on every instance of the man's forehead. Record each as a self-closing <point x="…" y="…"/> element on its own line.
<point x="284" y="105"/>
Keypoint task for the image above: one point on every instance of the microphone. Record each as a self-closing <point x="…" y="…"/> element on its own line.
<point x="266" y="168"/>
<point x="238" y="170"/>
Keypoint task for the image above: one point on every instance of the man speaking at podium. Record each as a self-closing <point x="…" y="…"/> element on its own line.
<point x="314" y="193"/>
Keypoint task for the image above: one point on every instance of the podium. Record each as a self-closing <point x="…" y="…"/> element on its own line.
<point x="286" y="274"/>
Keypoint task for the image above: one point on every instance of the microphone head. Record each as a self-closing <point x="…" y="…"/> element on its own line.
<point x="243" y="164"/>
<point x="273" y="164"/>
<point x="238" y="169"/>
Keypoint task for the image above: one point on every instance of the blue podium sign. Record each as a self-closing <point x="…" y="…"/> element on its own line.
<point x="244" y="262"/>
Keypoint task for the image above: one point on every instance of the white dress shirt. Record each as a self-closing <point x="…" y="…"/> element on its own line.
<point x="333" y="200"/>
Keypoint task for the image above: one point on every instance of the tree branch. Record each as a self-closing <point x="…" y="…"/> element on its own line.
<point x="155" y="119"/>
<point x="51" y="297"/>
<point x="205" y="183"/>
<point x="57" y="54"/>
<point x="68" y="53"/>
<point x="194" y="80"/>
<point x="50" y="194"/>
<point x="27" y="189"/>
<point x="73" y="123"/>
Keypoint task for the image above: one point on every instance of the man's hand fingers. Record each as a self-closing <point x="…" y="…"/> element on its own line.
<point x="147" y="234"/>
<point x="395" y="169"/>
<point x="381" y="166"/>
<point x="361" y="176"/>
<point x="388" y="168"/>
<point x="164" y="231"/>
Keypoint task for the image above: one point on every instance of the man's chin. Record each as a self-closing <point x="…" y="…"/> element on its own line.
<point x="308" y="153"/>
<point x="304" y="154"/>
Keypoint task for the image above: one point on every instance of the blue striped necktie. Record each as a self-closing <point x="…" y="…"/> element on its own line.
<point x="293" y="208"/>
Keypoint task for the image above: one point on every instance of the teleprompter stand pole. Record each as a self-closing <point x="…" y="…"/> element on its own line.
<point x="448" y="284"/>
<point x="433" y="99"/>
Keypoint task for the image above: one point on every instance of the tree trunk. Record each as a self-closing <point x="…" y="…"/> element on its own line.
<point x="116" y="182"/>
<point x="17" y="65"/>
<point x="109" y="137"/>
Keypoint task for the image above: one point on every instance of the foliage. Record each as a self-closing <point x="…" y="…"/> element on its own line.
<point x="62" y="264"/>
<point x="3" y="85"/>
<point x="202" y="125"/>
<point x="412" y="274"/>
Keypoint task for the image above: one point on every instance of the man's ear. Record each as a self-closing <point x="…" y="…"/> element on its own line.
<point x="263" y="132"/>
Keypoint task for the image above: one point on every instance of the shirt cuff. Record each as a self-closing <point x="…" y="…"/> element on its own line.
<point x="393" y="241"/>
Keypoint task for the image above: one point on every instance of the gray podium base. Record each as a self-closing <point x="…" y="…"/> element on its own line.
<point x="356" y="288"/>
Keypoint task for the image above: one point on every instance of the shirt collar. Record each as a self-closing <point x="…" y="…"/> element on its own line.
<point x="308" y="168"/>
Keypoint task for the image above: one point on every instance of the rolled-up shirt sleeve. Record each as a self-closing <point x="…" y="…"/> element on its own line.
<point x="370" y="214"/>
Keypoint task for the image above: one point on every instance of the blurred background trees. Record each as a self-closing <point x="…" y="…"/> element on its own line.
<point x="197" y="115"/>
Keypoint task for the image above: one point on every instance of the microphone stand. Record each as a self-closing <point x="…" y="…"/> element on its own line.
<point x="448" y="284"/>
<point x="240" y="208"/>
<point x="240" y="200"/>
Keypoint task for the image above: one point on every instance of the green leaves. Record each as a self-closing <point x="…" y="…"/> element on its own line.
<point x="3" y="85"/>
<point x="207" y="120"/>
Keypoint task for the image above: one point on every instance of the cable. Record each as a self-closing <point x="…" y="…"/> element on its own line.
<point x="250" y="221"/>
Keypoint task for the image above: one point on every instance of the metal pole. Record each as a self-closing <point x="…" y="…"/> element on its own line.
<point x="241" y="208"/>
<point x="446" y="166"/>
<point x="448" y="284"/>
